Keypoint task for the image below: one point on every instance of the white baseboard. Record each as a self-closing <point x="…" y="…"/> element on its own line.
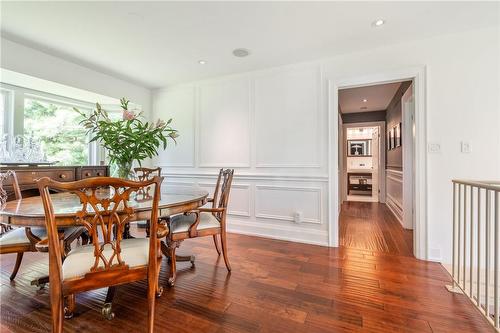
<point x="395" y="209"/>
<point x="287" y="233"/>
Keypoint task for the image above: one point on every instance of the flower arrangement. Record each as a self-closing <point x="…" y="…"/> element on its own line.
<point x="128" y="139"/>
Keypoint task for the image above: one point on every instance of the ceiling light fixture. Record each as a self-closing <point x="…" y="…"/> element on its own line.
<point x="365" y="100"/>
<point x="241" y="53"/>
<point x="202" y="62"/>
<point x="378" y="23"/>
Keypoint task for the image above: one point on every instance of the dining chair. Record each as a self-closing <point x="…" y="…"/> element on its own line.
<point x="204" y="221"/>
<point x="106" y="207"/>
<point x="24" y="239"/>
<point x="144" y="174"/>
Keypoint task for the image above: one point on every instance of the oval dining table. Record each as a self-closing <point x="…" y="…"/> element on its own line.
<point x="29" y="212"/>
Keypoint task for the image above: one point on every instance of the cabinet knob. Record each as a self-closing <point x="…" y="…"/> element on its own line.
<point x="87" y="174"/>
<point x="99" y="173"/>
<point x="62" y="176"/>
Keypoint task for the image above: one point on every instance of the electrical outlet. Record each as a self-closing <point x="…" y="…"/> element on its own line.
<point x="434" y="148"/>
<point x="465" y="147"/>
<point x="297" y="217"/>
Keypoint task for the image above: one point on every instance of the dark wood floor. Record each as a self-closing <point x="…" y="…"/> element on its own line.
<point x="368" y="285"/>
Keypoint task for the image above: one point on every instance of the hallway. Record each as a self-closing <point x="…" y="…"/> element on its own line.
<point x="372" y="226"/>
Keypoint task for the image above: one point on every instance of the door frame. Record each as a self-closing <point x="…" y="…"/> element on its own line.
<point x="417" y="75"/>
<point x="381" y="157"/>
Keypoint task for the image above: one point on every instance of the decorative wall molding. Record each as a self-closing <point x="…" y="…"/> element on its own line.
<point x="395" y="208"/>
<point x="249" y="176"/>
<point x="394" y="195"/>
<point x="229" y="127"/>
<point x="292" y="234"/>
<point x="186" y="111"/>
<point x="278" y="94"/>
<point x="247" y="187"/>
<point x="260" y="214"/>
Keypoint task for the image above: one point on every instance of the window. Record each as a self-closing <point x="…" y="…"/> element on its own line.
<point x="5" y="111"/>
<point x="56" y="126"/>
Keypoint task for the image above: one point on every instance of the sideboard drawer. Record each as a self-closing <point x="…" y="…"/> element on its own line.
<point x="89" y="172"/>
<point x="25" y="177"/>
<point x="61" y="175"/>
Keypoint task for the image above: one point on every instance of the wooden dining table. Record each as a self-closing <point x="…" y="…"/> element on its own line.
<point x="29" y="212"/>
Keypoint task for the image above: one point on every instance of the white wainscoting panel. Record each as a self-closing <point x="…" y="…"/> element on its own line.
<point x="178" y="104"/>
<point x="288" y="118"/>
<point x="224" y="123"/>
<point x="239" y="203"/>
<point x="281" y="202"/>
<point x="262" y="206"/>
<point x="394" y="192"/>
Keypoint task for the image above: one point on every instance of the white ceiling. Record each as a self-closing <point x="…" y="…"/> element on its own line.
<point x="159" y="43"/>
<point x="377" y="98"/>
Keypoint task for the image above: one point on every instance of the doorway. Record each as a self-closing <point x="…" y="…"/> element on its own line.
<point x="363" y="162"/>
<point x="410" y="133"/>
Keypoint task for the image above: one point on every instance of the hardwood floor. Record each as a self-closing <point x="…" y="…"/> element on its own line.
<point x="372" y="226"/>
<point x="372" y="284"/>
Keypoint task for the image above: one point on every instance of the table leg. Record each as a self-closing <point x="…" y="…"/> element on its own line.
<point x="166" y="253"/>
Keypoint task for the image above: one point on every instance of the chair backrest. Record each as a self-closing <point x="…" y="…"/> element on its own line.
<point x="146" y="173"/>
<point x="104" y="212"/>
<point x="222" y="188"/>
<point x="9" y="178"/>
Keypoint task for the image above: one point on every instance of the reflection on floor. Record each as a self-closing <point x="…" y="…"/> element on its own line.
<point x="372" y="226"/>
<point x="275" y="286"/>
<point x="360" y="198"/>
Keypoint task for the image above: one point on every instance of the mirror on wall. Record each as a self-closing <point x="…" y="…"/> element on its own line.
<point x="359" y="147"/>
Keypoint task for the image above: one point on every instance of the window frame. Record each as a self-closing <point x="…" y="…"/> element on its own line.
<point x="15" y="114"/>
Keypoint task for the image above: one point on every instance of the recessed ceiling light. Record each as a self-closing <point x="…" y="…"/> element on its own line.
<point x="378" y="23"/>
<point x="202" y="62"/>
<point x="365" y="100"/>
<point x="241" y="53"/>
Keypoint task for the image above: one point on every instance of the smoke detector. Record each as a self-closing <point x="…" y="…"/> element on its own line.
<point x="241" y="53"/>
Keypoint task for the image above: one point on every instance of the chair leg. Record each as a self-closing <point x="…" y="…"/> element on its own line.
<point x="173" y="268"/>
<point x="147" y="228"/>
<point x="224" y="248"/>
<point x="107" y="307"/>
<point x="17" y="265"/>
<point x="70" y="306"/>
<point x="57" y="308"/>
<point x="152" y="286"/>
<point x="216" y="242"/>
<point x="159" y="288"/>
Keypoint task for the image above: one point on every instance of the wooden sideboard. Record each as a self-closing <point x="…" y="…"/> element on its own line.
<point x="27" y="175"/>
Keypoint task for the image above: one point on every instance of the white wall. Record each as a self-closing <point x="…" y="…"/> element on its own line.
<point x="271" y="125"/>
<point x="22" y="59"/>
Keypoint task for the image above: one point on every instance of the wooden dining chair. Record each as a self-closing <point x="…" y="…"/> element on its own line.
<point x="110" y="260"/>
<point x="24" y="239"/>
<point x="144" y="174"/>
<point x="210" y="221"/>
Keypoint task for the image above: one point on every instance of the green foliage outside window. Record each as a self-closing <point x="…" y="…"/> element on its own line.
<point x="58" y="128"/>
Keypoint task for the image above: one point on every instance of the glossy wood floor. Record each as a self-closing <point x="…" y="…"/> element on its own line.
<point x="372" y="226"/>
<point x="275" y="286"/>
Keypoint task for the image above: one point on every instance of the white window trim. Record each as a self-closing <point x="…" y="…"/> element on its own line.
<point x="19" y="94"/>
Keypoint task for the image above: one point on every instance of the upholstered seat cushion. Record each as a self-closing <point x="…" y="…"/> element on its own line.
<point x="18" y="236"/>
<point x="134" y="252"/>
<point x="181" y="223"/>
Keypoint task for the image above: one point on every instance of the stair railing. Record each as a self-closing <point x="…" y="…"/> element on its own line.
<point x="476" y="245"/>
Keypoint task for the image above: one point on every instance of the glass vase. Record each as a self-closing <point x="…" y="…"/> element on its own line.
<point x="123" y="170"/>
